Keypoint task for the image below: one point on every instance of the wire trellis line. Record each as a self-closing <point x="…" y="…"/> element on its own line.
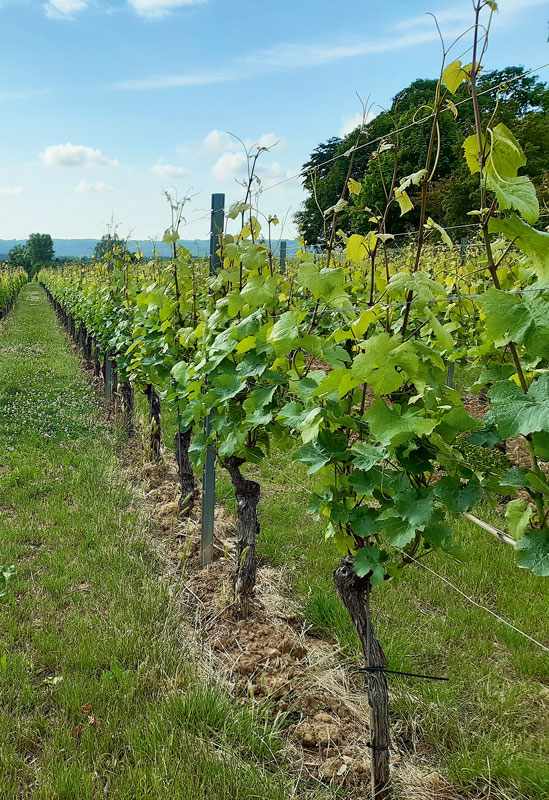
<point x="433" y="572"/>
<point x="355" y="148"/>
<point x="472" y="601"/>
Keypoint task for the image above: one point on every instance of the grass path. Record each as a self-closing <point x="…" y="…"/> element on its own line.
<point x="99" y="698"/>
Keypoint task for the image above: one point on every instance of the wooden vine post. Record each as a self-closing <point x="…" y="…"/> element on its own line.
<point x="182" y="443"/>
<point x="154" y="419"/>
<point x="208" y="472"/>
<point x="247" y="494"/>
<point x="354" y="592"/>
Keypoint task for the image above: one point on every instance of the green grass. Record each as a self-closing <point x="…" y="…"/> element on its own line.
<point x="88" y="617"/>
<point x="487" y="728"/>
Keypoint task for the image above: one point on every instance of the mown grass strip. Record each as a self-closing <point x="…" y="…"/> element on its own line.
<point x="100" y="696"/>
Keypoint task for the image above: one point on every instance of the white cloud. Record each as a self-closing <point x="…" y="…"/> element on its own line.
<point x="269" y="140"/>
<point x="168" y="171"/>
<point x="174" y="81"/>
<point x="217" y="141"/>
<point x="73" y="155"/>
<point x="286" y="56"/>
<point x="351" y="123"/>
<point x="64" y="9"/>
<point x="460" y="17"/>
<point x="11" y="191"/>
<point x="229" y="166"/>
<point x="273" y="170"/>
<point x="23" y="95"/>
<point x="85" y="186"/>
<point x="293" y="55"/>
<point x="152" y="9"/>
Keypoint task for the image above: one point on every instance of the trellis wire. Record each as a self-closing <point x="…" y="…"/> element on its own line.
<point x="377" y="139"/>
<point x="436" y="574"/>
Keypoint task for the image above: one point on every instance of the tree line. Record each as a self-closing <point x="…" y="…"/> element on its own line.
<point x="38" y="252"/>
<point x="519" y="102"/>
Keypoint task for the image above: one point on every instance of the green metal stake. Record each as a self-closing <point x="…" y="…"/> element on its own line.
<point x="208" y="472"/>
<point x="108" y="376"/>
<point x="283" y="257"/>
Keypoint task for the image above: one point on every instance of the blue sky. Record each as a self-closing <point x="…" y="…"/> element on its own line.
<point x="105" y="104"/>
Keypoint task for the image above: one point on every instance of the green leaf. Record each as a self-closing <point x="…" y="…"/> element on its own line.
<point x="293" y="415"/>
<point x="520" y="319"/>
<point x="517" y="514"/>
<point x="516" y="476"/>
<point x="501" y="174"/>
<point x="364" y="483"/>
<point x="399" y="531"/>
<point x="540" y="440"/>
<point x="259" y="290"/>
<point x="533" y="243"/>
<point x="389" y="425"/>
<point x="252" y="365"/>
<point x="356" y="250"/>
<point x="445" y="238"/>
<point x="454" y="75"/>
<point x="518" y="193"/>
<point x="259" y="398"/>
<point x="533" y="552"/>
<point x="310" y="426"/>
<point x="415" y="507"/>
<point x="334" y="381"/>
<point x="354" y="186"/>
<point x="370" y="560"/>
<point x="180" y="372"/>
<point x="366" y="456"/>
<point x="382" y="362"/>
<point x="324" y="284"/>
<point x="470" y="148"/>
<point x="286" y="329"/>
<point x="404" y="201"/>
<point x="226" y="386"/>
<point x="458" y="496"/>
<point x="515" y="412"/>
<point x="313" y="455"/>
<point x="364" y="521"/>
<point x="438" y="535"/>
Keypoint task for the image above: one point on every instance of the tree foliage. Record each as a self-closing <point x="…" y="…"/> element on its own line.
<point x="521" y="102"/>
<point x="111" y="244"/>
<point x="37" y="253"/>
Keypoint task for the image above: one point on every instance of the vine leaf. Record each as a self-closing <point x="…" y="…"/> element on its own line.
<point x="390" y="425"/>
<point x="370" y="559"/>
<point x="523" y="320"/>
<point x="533" y="243"/>
<point x="458" y="496"/>
<point x="533" y="552"/>
<point x="445" y="238"/>
<point x="454" y="75"/>
<point x="515" y="412"/>
<point x="366" y="456"/>
<point x="383" y="355"/>
<point x="517" y="514"/>
<point x="501" y="173"/>
<point x="403" y="199"/>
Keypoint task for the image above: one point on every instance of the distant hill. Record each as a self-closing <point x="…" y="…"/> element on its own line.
<point x="83" y="248"/>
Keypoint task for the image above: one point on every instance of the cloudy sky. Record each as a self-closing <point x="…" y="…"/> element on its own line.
<point x="107" y="103"/>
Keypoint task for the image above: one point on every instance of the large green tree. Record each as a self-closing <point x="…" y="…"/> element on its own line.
<point x="110" y="244"/>
<point x="40" y="248"/>
<point x="38" y="252"/>
<point x="521" y="102"/>
<point x="19" y="256"/>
